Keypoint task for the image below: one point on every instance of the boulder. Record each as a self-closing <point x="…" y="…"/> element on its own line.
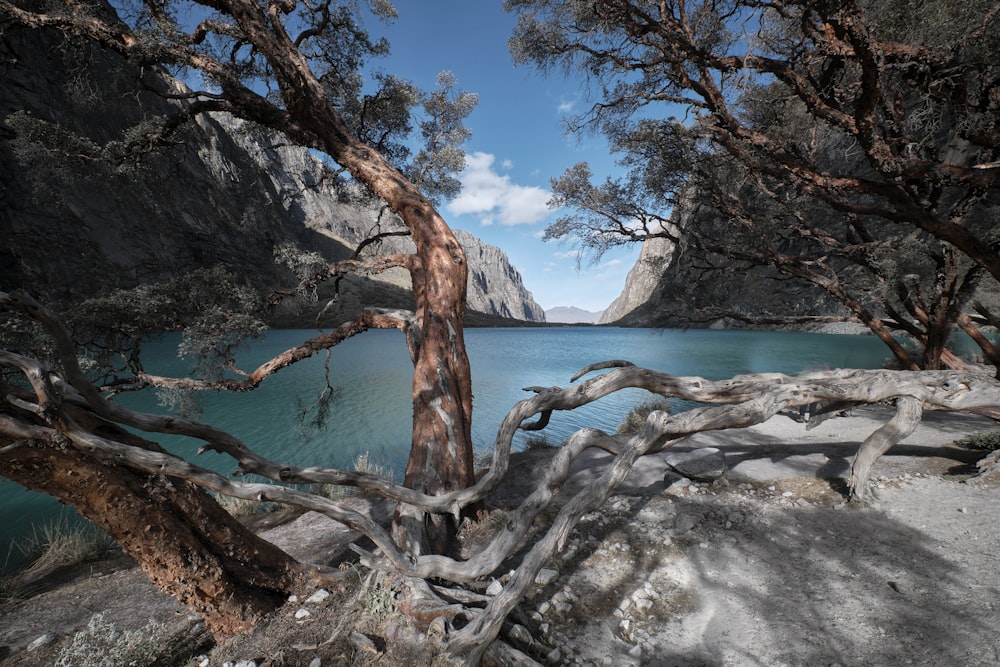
<point x="706" y="464"/>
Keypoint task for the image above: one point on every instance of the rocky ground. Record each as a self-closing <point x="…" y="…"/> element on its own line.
<point x="768" y="566"/>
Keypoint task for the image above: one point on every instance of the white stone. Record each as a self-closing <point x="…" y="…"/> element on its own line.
<point x="318" y="596"/>
<point x="293" y="598"/>
<point x="302" y="613"/>
<point x="316" y="662"/>
<point x="495" y="588"/>
<point x="545" y="577"/>
<point x="43" y="640"/>
<point x="563" y="607"/>
<point x="204" y="662"/>
<point x="554" y="657"/>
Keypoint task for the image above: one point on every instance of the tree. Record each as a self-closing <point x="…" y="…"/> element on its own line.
<point x="55" y="417"/>
<point x="880" y="119"/>
<point x="293" y="70"/>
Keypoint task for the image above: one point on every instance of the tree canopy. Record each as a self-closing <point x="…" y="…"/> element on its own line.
<point x="826" y="137"/>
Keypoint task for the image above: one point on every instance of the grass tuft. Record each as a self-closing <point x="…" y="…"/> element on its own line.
<point x="636" y="417"/>
<point x="60" y="542"/>
<point x="364" y="463"/>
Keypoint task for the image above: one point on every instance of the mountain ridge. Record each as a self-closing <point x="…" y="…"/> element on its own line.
<point x="77" y="227"/>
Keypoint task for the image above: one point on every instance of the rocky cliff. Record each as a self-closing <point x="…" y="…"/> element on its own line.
<point x="642" y="280"/>
<point x="671" y="287"/>
<point x="80" y="216"/>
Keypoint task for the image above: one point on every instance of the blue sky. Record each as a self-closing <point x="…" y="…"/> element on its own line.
<point x="517" y="144"/>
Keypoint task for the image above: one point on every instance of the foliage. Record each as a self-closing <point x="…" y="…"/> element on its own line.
<point x="537" y="441"/>
<point x="835" y="143"/>
<point x="636" y="417"/>
<point x="363" y="463"/>
<point x="101" y="644"/>
<point x="443" y="136"/>
<point x="987" y="440"/>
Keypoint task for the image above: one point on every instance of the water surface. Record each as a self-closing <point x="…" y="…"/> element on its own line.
<point x="370" y="376"/>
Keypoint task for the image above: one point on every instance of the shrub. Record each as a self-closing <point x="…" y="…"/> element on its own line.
<point x="101" y="644"/>
<point x="985" y="440"/>
<point x="637" y="416"/>
<point x="536" y="442"/>
<point x="364" y="463"/>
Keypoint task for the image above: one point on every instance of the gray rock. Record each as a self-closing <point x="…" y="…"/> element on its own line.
<point x="545" y="577"/>
<point x="43" y="640"/>
<point x="706" y="464"/>
<point x="520" y="634"/>
<point x="684" y="523"/>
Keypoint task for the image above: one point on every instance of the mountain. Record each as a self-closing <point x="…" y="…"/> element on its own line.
<point x="670" y="286"/>
<point x="642" y="279"/>
<point x="571" y="315"/>
<point x="227" y="193"/>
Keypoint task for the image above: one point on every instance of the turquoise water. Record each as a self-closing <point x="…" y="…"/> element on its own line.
<point x="371" y="374"/>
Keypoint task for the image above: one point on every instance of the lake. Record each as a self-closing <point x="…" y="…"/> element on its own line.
<point x="371" y="377"/>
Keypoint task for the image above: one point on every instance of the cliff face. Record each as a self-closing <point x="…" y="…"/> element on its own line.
<point x="642" y="280"/>
<point x="74" y="226"/>
<point x="670" y="287"/>
<point x="495" y="286"/>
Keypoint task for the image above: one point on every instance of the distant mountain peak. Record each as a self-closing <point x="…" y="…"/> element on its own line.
<point x="572" y="315"/>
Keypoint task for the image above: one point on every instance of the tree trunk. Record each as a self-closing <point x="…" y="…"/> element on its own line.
<point x="181" y="538"/>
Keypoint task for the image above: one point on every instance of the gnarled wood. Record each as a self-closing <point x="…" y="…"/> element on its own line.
<point x="905" y="421"/>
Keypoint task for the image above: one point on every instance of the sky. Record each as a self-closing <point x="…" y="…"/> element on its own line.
<point x="517" y="144"/>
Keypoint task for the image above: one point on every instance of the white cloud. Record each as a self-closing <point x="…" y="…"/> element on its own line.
<point x="566" y="107"/>
<point x="507" y="164"/>
<point x="492" y="197"/>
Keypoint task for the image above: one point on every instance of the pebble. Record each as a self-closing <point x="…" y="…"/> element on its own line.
<point x="318" y="596"/>
<point x="520" y="634"/>
<point x="495" y="588"/>
<point x="316" y="662"/>
<point x="553" y="657"/>
<point x="300" y="614"/>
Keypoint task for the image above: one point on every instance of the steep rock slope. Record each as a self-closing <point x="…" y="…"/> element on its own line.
<point x="73" y="226"/>
<point x="670" y="286"/>
<point x="642" y="279"/>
